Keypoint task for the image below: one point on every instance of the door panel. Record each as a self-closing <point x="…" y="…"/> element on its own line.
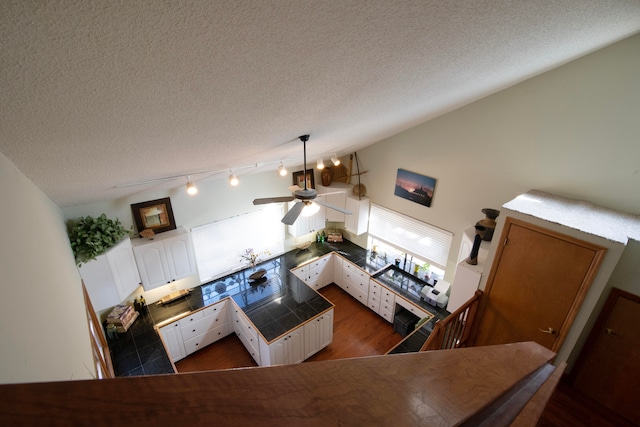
<point x="536" y="286"/>
<point x="608" y="369"/>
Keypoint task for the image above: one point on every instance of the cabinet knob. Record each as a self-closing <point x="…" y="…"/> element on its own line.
<point x="193" y="330"/>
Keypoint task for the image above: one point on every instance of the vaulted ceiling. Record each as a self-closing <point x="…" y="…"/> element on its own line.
<point x="103" y="99"/>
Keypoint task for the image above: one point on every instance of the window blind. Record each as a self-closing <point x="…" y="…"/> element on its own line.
<point x="416" y="237"/>
<point x="218" y="245"/>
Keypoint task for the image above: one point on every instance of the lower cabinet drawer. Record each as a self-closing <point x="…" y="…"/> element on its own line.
<point x="206" y="338"/>
<point x="250" y="345"/>
<point x="373" y="303"/>
<point x="387" y="315"/>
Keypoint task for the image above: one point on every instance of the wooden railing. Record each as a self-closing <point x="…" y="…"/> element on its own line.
<point x="453" y="332"/>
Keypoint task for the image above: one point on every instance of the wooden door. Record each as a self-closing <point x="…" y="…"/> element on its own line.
<point x="536" y="285"/>
<point x="607" y="369"/>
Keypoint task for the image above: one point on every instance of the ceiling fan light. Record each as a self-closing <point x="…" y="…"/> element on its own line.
<point x="233" y="180"/>
<point x="191" y="187"/>
<point x="310" y="209"/>
<point x="335" y="160"/>
<point x="282" y="170"/>
<point x="320" y="164"/>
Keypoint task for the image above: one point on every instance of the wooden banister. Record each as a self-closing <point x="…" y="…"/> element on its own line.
<point x="453" y="332"/>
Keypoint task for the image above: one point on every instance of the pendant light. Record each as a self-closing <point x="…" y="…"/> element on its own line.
<point x="320" y="164"/>
<point x="335" y="160"/>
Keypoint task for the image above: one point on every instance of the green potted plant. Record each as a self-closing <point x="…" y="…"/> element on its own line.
<point x="91" y="236"/>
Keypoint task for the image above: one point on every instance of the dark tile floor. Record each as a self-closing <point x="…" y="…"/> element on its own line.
<point x="139" y="351"/>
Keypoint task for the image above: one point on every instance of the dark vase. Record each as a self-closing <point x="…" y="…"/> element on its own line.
<point x="326" y="177"/>
<point x="489" y="223"/>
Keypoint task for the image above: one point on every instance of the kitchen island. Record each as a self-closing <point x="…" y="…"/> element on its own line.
<point x="275" y="305"/>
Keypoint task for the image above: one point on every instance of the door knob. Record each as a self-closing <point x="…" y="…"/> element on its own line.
<point x="549" y="331"/>
<point x="610" y="331"/>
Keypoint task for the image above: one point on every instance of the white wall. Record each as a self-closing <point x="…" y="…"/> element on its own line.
<point x="43" y="325"/>
<point x="572" y="131"/>
<point x="215" y="200"/>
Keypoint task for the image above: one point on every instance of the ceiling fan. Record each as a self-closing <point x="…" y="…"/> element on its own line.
<point x="305" y="196"/>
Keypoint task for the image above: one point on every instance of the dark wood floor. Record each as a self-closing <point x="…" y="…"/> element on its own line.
<point x="358" y="332"/>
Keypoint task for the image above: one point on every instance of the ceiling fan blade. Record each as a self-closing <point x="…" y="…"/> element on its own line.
<point x="273" y="200"/>
<point x="344" y="211"/>
<point x="293" y="213"/>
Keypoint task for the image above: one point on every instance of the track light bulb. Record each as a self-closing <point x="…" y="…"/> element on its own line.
<point x="335" y="160"/>
<point x="281" y="170"/>
<point x="233" y="180"/>
<point x="191" y="187"/>
<point x="320" y="164"/>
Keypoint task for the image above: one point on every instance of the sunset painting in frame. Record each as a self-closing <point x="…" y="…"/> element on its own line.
<point x="415" y="187"/>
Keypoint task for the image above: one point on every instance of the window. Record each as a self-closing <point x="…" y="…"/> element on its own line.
<point x="218" y="245"/>
<point x="415" y="237"/>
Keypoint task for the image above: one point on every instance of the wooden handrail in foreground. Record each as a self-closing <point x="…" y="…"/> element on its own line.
<point x="453" y="331"/>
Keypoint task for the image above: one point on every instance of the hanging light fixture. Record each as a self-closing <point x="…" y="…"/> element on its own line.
<point x="282" y="170"/>
<point x="335" y="160"/>
<point x="310" y="208"/>
<point x="320" y="164"/>
<point x="233" y="180"/>
<point x="191" y="187"/>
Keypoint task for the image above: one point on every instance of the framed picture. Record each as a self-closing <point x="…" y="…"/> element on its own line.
<point x="156" y="215"/>
<point x="415" y="187"/>
<point x="298" y="179"/>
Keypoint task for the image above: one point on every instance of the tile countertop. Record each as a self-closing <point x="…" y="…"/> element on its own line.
<point x="277" y="303"/>
<point x="280" y="301"/>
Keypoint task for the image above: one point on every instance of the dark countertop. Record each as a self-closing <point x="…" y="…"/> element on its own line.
<point x="275" y="304"/>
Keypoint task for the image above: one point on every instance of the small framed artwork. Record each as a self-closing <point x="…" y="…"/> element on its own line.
<point x="415" y="187"/>
<point x="298" y="179"/>
<point x="155" y="215"/>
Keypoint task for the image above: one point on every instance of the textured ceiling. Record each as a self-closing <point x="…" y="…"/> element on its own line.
<point x="95" y="94"/>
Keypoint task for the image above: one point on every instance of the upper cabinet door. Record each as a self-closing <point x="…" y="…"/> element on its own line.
<point x="168" y="257"/>
<point x="111" y="277"/>
<point x="152" y="264"/>
<point x="338" y="200"/>
<point x="358" y="222"/>
<point x="180" y="256"/>
<point x="124" y="268"/>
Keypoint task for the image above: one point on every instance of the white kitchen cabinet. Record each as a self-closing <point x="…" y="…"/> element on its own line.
<point x="168" y="257"/>
<point x="318" y="273"/>
<point x="318" y="333"/>
<point x="287" y="350"/>
<point x="355" y="281"/>
<point x="387" y="304"/>
<point x="246" y="332"/>
<point x="172" y="337"/>
<point x="358" y="222"/>
<point x="112" y="276"/>
<point x="336" y="196"/>
<point x="206" y="328"/>
<point x="336" y="262"/>
<point x="338" y="200"/>
<point x="382" y="300"/>
<point x="196" y="331"/>
<point x="373" y="302"/>
<point x="307" y="224"/>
